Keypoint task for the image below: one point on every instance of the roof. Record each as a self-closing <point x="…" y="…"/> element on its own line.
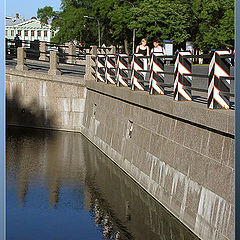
<point x="11" y="21"/>
<point x="29" y="24"/>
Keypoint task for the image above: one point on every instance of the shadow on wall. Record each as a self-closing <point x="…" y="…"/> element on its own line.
<point x="27" y="115"/>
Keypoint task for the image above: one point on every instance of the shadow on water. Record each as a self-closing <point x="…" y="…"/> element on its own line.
<point x="63" y="187"/>
<point x="31" y="114"/>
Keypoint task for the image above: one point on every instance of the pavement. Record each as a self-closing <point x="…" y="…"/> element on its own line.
<point x="39" y="66"/>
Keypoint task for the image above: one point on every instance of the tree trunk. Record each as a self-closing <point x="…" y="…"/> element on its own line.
<point x="126" y="46"/>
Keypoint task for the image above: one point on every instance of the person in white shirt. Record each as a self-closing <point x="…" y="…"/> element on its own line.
<point x="157" y="47"/>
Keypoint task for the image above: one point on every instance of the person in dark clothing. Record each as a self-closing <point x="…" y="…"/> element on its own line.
<point x="144" y="49"/>
<point x="16" y="37"/>
<point x="18" y="42"/>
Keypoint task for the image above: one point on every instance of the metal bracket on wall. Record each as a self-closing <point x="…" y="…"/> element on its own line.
<point x="129" y="129"/>
<point x="94" y="110"/>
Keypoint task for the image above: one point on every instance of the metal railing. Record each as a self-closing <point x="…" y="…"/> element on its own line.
<point x="29" y="59"/>
<point x="33" y="50"/>
<point x="144" y="73"/>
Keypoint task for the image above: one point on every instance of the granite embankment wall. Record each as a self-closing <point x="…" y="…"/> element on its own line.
<point x="37" y="99"/>
<point x="179" y="152"/>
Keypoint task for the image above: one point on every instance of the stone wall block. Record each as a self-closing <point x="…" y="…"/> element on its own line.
<point x="21" y="59"/>
<point x="43" y="48"/>
<point x="155" y="145"/>
<point x="219" y="180"/>
<point x="78" y="105"/>
<point x="54" y="64"/>
<point x="199" y="168"/>
<point x="215" y="146"/>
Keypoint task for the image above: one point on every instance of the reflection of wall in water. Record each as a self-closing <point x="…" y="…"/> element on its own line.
<point x="56" y="159"/>
<point x="135" y="211"/>
<point x="70" y="160"/>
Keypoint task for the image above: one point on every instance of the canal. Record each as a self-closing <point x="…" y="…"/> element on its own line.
<point x="60" y="186"/>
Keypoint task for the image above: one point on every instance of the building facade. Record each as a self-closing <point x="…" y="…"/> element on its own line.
<point x="30" y="30"/>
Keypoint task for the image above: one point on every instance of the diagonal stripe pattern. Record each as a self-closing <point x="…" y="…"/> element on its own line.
<point x="156" y="74"/>
<point x="219" y="67"/>
<point x="110" y="69"/>
<point x="100" y="70"/>
<point x="182" y="66"/>
<point x="122" y="70"/>
<point x="137" y="78"/>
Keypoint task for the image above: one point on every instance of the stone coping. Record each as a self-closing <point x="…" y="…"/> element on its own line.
<point x="221" y="121"/>
<point x="45" y="76"/>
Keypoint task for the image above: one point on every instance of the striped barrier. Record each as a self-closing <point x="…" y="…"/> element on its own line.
<point x="156" y="74"/>
<point x="110" y="69"/>
<point x="100" y="70"/>
<point x="137" y="77"/>
<point x="182" y="66"/>
<point x="122" y="70"/>
<point x="114" y="69"/>
<point x="219" y="67"/>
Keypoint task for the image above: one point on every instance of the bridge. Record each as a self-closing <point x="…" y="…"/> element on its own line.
<point x="179" y="149"/>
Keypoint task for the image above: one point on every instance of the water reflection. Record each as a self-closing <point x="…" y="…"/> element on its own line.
<point x="59" y="186"/>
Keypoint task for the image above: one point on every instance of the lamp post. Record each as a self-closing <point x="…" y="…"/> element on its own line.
<point x="134" y="30"/>
<point x="99" y="34"/>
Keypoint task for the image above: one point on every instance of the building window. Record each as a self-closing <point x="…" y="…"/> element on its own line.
<point x="12" y="33"/>
<point x="6" y="32"/>
<point x="39" y="33"/>
<point x="32" y="33"/>
<point x="52" y="34"/>
<point x="19" y="32"/>
<point x="45" y="33"/>
<point x="26" y="33"/>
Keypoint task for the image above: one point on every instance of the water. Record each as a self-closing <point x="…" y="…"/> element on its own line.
<point x="59" y="186"/>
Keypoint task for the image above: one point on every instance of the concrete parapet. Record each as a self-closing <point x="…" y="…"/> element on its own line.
<point x="71" y="51"/>
<point x="90" y="61"/>
<point x="217" y="120"/>
<point x="43" y="48"/>
<point x="36" y="99"/>
<point x="21" y="59"/>
<point x="93" y="50"/>
<point x="54" y="64"/>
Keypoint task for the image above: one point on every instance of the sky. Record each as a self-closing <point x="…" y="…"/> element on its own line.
<point x="27" y="8"/>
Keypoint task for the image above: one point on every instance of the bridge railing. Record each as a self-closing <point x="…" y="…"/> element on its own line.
<point x="144" y="73"/>
<point x="66" y="51"/>
<point x="36" y="54"/>
<point x="68" y="55"/>
<point x="52" y="61"/>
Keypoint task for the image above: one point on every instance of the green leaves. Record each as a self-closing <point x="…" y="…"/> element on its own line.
<point x="45" y="14"/>
<point x="208" y="23"/>
<point x="216" y="23"/>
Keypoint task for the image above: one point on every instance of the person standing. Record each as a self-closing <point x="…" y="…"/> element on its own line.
<point x="144" y="49"/>
<point x="18" y="42"/>
<point x="16" y="37"/>
<point x="157" y="48"/>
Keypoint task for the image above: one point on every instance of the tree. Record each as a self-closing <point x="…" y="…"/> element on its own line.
<point x="207" y="23"/>
<point x="45" y="14"/>
<point x="161" y="19"/>
<point x="215" y="23"/>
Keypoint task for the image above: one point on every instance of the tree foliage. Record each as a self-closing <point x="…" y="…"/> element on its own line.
<point x="46" y="14"/>
<point x="207" y="23"/>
